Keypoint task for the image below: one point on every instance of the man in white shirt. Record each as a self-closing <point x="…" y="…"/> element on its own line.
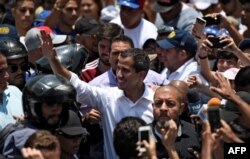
<point x="134" y="26"/>
<point x="178" y="52"/>
<point x="131" y="98"/>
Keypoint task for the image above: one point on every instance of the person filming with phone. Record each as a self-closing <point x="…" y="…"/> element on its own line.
<point x="175" y="137"/>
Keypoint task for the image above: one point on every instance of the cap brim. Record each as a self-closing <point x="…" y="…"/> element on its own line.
<point x="58" y="39"/>
<point x="158" y="8"/>
<point x="165" y="44"/>
<point x="202" y="5"/>
<point x="128" y="4"/>
<point x="73" y="131"/>
<point x="228" y="116"/>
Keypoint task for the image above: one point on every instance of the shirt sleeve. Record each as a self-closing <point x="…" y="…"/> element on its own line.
<point x="90" y="95"/>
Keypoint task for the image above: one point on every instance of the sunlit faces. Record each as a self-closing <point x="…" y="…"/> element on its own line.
<point x="130" y="21"/>
<point x="90" y="9"/>
<point x="246" y="14"/>
<point x="224" y="64"/>
<point x="17" y="69"/>
<point x="167" y="103"/>
<point x="127" y="77"/>
<point x="116" y="49"/>
<point x="104" y="50"/>
<point x="70" y="145"/>
<point x="170" y="58"/>
<point x="70" y="13"/>
<point x="4" y="75"/>
<point x="24" y="14"/>
<point x="51" y="113"/>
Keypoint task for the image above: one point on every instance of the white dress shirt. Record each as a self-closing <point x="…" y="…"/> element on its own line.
<point x="113" y="105"/>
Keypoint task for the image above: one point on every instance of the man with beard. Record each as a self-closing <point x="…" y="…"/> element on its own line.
<point x="168" y="105"/>
<point x="131" y="98"/>
<point x="46" y="102"/>
<point x="104" y="36"/>
<point x="17" y="60"/>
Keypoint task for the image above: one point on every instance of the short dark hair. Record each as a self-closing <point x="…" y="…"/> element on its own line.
<point x="242" y="79"/>
<point x="126" y="137"/>
<point x="109" y="31"/>
<point x="14" y="3"/>
<point x="43" y="140"/>
<point x="141" y="59"/>
<point x="123" y="38"/>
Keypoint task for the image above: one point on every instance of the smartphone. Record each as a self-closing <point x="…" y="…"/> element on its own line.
<point x="198" y="30"/>
<point x="216" y="42"/>
<point x="144" y="134"/>
<point x="214" y="118"/>
<point x="212" y="20"/>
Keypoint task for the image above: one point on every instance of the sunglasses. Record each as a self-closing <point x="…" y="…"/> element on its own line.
<point x="14" y="68"/>
<point x="224" y="1"/>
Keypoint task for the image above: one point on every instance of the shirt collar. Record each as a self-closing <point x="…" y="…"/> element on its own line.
<point x="147" y="94"/>
<point x="182" y="68"/>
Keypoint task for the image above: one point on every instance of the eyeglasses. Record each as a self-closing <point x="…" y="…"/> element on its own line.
<point x="14" y="68"/>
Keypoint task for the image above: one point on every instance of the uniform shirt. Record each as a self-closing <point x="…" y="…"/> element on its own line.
<point x="113" y="105"/>
<point x="10" y="105"/>
<point x="190" y="67"/>
<point x="108" y="79"/>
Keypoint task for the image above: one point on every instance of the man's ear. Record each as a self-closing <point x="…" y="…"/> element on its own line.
<point x="13" y="12"/>
<point x="182" y="107"/>
<point x="142" y="74"/>
<point x="183" y="54"/>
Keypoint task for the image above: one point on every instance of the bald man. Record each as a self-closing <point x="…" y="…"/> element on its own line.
<point x="168" y="105"/>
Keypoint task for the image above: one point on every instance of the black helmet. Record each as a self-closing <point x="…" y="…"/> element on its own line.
<point x="48" y="89"/>
<point x="12" y="48"/>
<point x="72" y="56"/>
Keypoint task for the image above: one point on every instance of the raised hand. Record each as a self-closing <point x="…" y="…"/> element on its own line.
<point x="47" y="45"/>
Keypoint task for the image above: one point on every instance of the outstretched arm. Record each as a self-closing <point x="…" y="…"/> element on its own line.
<point x="49" y="52"/>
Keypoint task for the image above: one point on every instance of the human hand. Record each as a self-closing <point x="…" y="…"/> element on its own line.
<point x="150" y="148"/>
<point x="205" y="48"/>
<point x="93" y="116"/>
<point x="30" y="153"/>
<point x="224" y="88"/>
<point x="193" y="81"/>
<point x="230" y="44"/>
<point x="47" y="45"/>
<point x="169" y="135"/>
<point x="227" y="133"/>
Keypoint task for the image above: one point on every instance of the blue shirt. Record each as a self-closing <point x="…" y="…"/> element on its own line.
<point x="108" y="79"/>
<point x="10" y="105"/>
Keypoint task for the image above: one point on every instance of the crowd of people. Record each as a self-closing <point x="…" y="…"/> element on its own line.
<point x="79" y="78"/>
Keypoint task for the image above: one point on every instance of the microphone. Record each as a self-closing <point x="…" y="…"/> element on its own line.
<point x="213" y="110"/>
<point x="194" y="101"/>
